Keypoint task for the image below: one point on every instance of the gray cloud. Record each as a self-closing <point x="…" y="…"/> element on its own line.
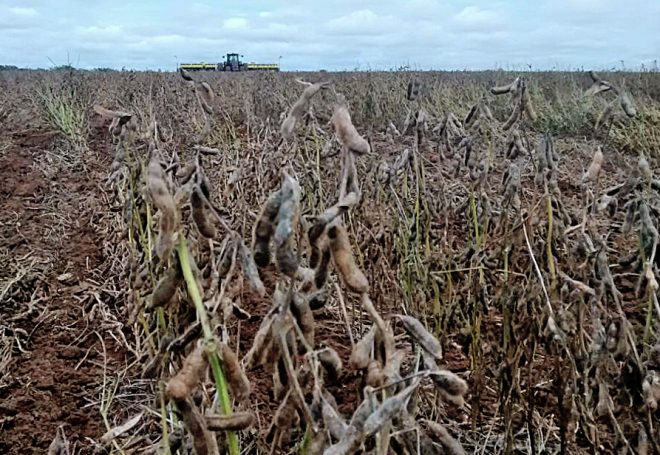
<point x="342" y="34"/>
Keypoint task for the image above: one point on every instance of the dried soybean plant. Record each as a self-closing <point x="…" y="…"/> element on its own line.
<point x="622" y="100"/>
<point x="289" y="327"/>
<point x="123" y="127"/>
<point x="206" y="100"/>
<point x="521" y="102"/>
<point x="185" y="221"/>
<point x="299" y="108"/>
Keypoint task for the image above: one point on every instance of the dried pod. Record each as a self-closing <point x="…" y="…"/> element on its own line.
<point x="204" y="183"/>
<point x="604" y="116"/>
<point x="486" y="111"/>
<point x="517" y="141"/>
<point x="250" y="268"/>
<point x="375" y="376"/>
<point x="166" y="287"/>
<point x="59" y="445"/>
<point x="236" y="378"/>
<point x="164" y="202"/>
<point x="279" y="380"/>
<point x="185" y="74"/>
<point x="593" y="171"/>
<point x="472" y="115"/>
<point x="203" y="223"/>
<point x="304" y="317"/>
<point x="609" y="203"/>
<point x="631" y="212"/>
<point x="330" y="214"/>
<point x="628" y="105"/>
<point x="204" y="150"/>
<point x="114" y="127"/>
<point x="512" y="151"/>
<point x="331" y="362"/>
<point x="226" y="258"/>
<point x="392" y="369"/>
<point x="285" y="416"/>
<point x="597" y="87"/>
<point x="527" y="104"/>
<point x="388" y="409"/>
<point x="361" y="354"/>
<point x="204" y="441"/>
<point x="348" y="444"/>
<point x="264" y="229"/>
<point x="321" y="271"/>
<point x="644" y="168"/>
<point x="288" y="125"/>
<point x="332" y="420"/>
<point x="298" y="109"/>
<point x="235" y="422"/>
<point x="260" y="339"/>
<point x="450" y="445"/>
<point x="315" y="249"/>
<point x="206" y="107"/>
<point x="287" y="214"/>
<point x="346" y="132"/>
<point x="207" y="92"/>
<point x="349" y="176"/>
<point x="642" y="442"/>
<point x="414" y="86"/>
<point x="287" y="262"/>
<point x="651" y="389"/>
<point x="421" y="336"/>
<point x="344" y="261"/>
<point x="605" y="403"/>
<point x="503" y="89"/>
<point x="184" y="173"/>
<point x="119" y="119"/>
<point x="451" y="387"/>
<point x="513" y="118"/>
<point x="181" y="385"/>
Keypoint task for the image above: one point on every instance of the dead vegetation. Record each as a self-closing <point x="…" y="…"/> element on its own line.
<point x="370" y="267"/>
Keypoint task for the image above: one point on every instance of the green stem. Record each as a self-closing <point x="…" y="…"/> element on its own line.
<point x="212" y="353"/>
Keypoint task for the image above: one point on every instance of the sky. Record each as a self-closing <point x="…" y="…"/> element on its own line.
<point x="332" y="35"/>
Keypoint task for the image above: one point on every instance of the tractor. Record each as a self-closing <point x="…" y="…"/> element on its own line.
<point x="232" y="63"/>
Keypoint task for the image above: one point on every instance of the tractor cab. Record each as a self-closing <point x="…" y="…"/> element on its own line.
<point x="233" y="63"/>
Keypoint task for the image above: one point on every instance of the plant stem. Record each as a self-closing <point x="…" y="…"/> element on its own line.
<point x="212" y="353"/>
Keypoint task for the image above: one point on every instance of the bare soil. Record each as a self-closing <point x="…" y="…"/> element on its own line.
<point x="55" y="255"/>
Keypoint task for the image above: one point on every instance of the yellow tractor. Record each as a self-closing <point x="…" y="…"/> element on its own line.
<point x="232" y="63"/>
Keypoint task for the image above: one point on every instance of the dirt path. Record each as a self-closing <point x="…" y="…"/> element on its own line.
<point x="56" y="297"/>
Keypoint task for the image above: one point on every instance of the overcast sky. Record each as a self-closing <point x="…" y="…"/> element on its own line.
<point x="334" y="35"/>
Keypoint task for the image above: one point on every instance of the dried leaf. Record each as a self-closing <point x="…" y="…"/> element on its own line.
<point x="121" y="429"/>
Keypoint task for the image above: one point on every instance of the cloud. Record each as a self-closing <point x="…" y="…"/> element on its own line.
<point x="342" y="34"/>
<point x="235" y="23"/>
<point x="476" y="18"/>
<point x="24" y="12"/>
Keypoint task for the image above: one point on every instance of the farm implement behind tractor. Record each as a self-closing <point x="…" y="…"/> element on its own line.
<point x="231" y="63"/>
